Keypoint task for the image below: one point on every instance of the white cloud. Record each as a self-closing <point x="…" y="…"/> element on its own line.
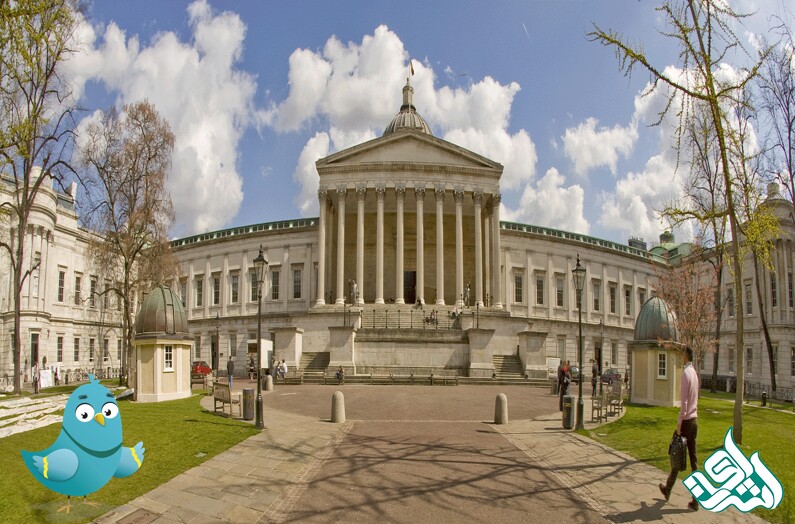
<point x="355" y="89"/>
<point x="588" y="147"/>
<point x="551" y="204"/>
<point x="198" y="89"/>
<point x="306" y="174"/>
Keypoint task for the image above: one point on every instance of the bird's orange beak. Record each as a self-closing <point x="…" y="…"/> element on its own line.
<point x="99" y="418"/>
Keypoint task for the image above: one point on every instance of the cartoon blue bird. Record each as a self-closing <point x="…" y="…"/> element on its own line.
<point x="88" y="452"/>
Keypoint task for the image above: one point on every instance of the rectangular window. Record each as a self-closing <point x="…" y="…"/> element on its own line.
<point x="628" y="300"/>
<point x="731" y="359"/>
<point x="91" y="350"/>
<point x="216" y="290"/>
<point x="34" y="285"/>
<point x="792" y="362"/>
<point x="297" y="283"/>
<point x="199" y="291"/>
<point x="77" y="350"/>
<point x="749" y="303"/>
<point x="773" y="291"/>
<point x="518" y="287"/>
<point x="61" y="284"/>
<point x="641" y="296"/>
<point x="614" y="353"/>
<point x="78" y="282"/>
<point x="168" y="361"/>
<point x="789" y="290"/>
<point x="597" y="295"/>
<point x="118" y="351"/>
<point x="197" y="347"/>
<point x="234" y="284"/>
<point x="730" y="301"/>
<point x="613" y="292"/>
<point x="275" y="284"/>
<point x="540" y="290"/>
<point x="662" y="365"/>
<point x="92" y="292"/>
<point x="106" y="295"/>
<point x="775" y="358"/>
<point x="749" y="360"/>
<point x="233" y="344"/>
<point x="34" y="347"/>
<point x="252" y="277"/>
<point x="183" y="291"/>
<point x="106" y="350"/>
<point x="559" y="291"/>
<point x="59" y="349"/>
<point x="562" y="348"/>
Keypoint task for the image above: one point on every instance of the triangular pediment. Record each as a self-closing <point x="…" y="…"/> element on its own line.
<point x="408" y="147"/>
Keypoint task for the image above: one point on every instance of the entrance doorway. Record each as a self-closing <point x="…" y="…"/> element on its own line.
<point x="410" y="287"/>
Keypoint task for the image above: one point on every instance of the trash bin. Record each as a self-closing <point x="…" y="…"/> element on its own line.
<point x="568" y="412"/>
<point x="248" y="403"/>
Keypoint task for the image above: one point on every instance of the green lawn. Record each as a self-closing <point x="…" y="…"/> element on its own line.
<point x="177" y="435"/>
<point x="645" y="431"/>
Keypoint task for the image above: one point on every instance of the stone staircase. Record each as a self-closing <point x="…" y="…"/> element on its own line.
<point x="508" y="366"/>
<point x="313" y="366"/>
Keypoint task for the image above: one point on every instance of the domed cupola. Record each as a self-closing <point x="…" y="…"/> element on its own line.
<point x="408" y="118"/>
<point x="161" y="314"/>
<point x="656" y="322"/>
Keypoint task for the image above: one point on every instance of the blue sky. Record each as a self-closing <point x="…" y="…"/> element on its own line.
<point x="256" y="92"/>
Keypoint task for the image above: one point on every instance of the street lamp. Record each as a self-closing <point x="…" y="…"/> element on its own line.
<point x="579" y="280"/>
<point x="601" y="349"/>
<point x="259" y="268"/>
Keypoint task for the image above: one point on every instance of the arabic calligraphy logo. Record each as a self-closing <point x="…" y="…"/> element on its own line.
<point x="741" y="482"/>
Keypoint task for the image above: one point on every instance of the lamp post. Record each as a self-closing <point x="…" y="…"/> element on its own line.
<point x="579" y="280"/>
<point x="601" y="349"/>
<point x="215" y="349"/>
<point x="259" y="269"/>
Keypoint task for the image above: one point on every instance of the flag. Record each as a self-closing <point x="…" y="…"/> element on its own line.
<point x="411" y="67"/>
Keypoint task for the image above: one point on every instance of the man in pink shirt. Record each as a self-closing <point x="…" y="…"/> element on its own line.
<point x="687" y="425"/>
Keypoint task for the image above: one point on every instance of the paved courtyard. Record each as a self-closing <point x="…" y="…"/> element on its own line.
<point x="414" y="454"/>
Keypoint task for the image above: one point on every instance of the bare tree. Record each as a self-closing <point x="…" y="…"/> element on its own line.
<point x="126" y="158"/>
<point x="36" y="125"/>
<point x="702" y="29"/>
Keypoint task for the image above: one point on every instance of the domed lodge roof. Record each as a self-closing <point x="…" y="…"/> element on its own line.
<point x="656" y="321"/>
<point x="161" y="315"/>
<point x="408" y="118"/>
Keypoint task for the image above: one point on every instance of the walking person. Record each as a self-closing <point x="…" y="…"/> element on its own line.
<point x="230" y="370"/>
<point x="252" y="366"/>
<point x="687" y="424"/>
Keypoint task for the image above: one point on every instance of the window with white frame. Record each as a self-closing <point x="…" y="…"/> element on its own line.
<point x="540" y="289"/>
<point x="627" y="300"/>
<point x="614" y="352"/>
<point x="92" y="292"/>
<point x="662" y="364"/>
<point x="76" y="350"/>
<point x="61" y="284"/>
<point x="78" y="285"/>
<point x="613" y="298"/>
<point x="106" y="350"/>
<point x="216" y="289"/>
<point x="297" y="274"/>
<point x="168" y="360"/>
<point x="789" y="290"/>
<point x="562" y="348"/>
<point x="118" y="350"/>
<point x="749" y="303"/>
<point x="773" y="291"/>
<point x="559" y="291"/>
<point x="233" y="344"/>
<point x="252" y="278"/>
<point x="518" y="287"/>
<point x="59" y="349"/>
<point x="199" y="287"/>
<point x="183" y="291"/>
<point x="730" y="301"/>
<point x="731" y="359"/>
<point x="597" y="295"/>
<point x="91" y="350"/>
<point x="749" y="360"/>
<point x="792" y="362"/>
<point x="641" y="296"/>
<point x="234" y="288"/>
<point x="775" y="358"/>
<point x="274" y="284"/>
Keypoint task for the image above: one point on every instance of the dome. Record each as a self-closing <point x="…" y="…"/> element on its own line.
<point x="408" y="118"/>
<point x="656" y="321"/>
<point x="162" y="314"/>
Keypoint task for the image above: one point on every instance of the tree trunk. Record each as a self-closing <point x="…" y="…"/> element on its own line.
<point x="763" y="319"/>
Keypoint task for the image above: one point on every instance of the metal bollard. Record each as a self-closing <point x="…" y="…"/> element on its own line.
<point x="764" y="398"/>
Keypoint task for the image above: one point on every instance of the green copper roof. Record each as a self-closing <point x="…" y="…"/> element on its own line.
<point x="161" y="313"/>
<point x="656" y="321"/>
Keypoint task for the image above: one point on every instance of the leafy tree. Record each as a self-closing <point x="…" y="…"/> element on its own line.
<point x="702" y="29"/>
<point x="126" y="157"/>
<point x="36" y="125"/>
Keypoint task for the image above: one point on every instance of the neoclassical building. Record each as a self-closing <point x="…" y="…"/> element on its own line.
<point x="408" y="265"/>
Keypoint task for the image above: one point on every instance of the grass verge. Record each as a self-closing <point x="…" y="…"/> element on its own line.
<point x="177" y="435"/>
<point x="645" y="431"/>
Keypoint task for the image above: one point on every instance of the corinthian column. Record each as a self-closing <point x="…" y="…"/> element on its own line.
<point x="400" y="192"/>
<point x="379" y="240"/>
<point x="341" y="192"/>
<point x="361" y="192"/>
<point x="477" y="199"/>
<point x="495" y="224"/>
<point x="321" y="251"/>
<point x="439" y="246"/>
<point x="419" y="194"/>
<point x="459" y="248"/>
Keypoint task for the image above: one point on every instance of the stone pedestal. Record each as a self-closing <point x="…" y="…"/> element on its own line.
<point x="481" y="362"/>
<point x="288" y="345"/>
<point x="342" y="348"/>
<point x="531" y="346"/>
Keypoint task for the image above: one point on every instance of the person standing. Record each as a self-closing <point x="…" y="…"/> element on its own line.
<point x="564" y="379"/>
<point x="252" y="366"/>
<point x="594" y="376"/>
<point x="230" y="370"/>
<point x="687" y="424"/>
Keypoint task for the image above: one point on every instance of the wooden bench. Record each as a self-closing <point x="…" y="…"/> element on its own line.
<point x="615" y="397"/>
<point x="293" y="376"/>
<point x="198" y="378"/>
<point x="598" y="405"/>
<point x="223" y="395"/>
<point x="403" y="375"/>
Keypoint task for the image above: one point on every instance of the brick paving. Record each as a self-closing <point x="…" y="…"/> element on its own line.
<point x="415" y="454"/>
